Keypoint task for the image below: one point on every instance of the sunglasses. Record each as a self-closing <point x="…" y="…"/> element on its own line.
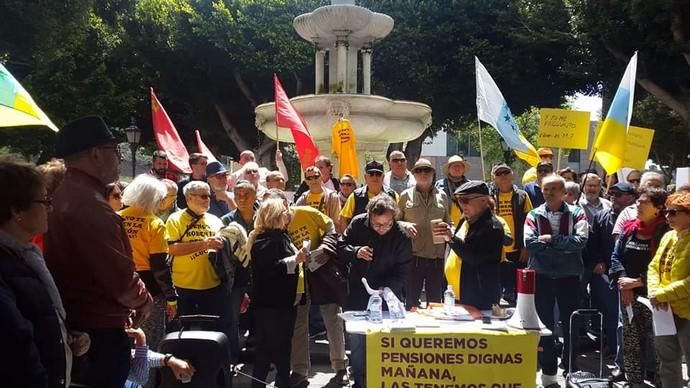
<point x="633" y="181"/>
<point x="502" y="173"/>
<point x="544" y="171"/>
<point x="424" y="170"/>
<point x="346" y="184"/>
<point x="618" y="194"/>
<point x="313" y="177"/>
<point x="251" y="171"/>
<point x="398" y="160"/>
<point x="673" y="212"/>
<point x="202" y="196"/>
<point x="466" y="200"/>
<point x="374" y="173"/>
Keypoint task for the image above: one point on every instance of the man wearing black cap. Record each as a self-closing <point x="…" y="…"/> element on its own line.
<point x="198" y="163"/>
<point x="478" y="240"/>
<point x="357" y="201"/>
<point x="533" y="189"/>
<point x="89" y="255"/>
<point x="217" y="179"/>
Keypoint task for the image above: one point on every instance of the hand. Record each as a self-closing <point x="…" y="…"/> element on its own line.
<point x="171" y="310"/>
<point x="137" y="318"/>
<point x="410" y="229"/>
<point x="322" y="258"/>
<point x="79" y="342"/>
<point x="244" y="305"/>
<point x="214" y="242"/>
<point x="656" y="304"/>
<point x="524" y="255"/>
<point x="545" y="238"/>
<point x="628" y="283"/>
<point x="302" y="255"/>
<point x="444" y="230"/>
<point x="137" y="334"/>
<point x="182" y="369"/>
<point x="279" y="155"/>
<point x="627" y="297"/>
<point x="599" y="269"/>
<point x="365" y="253"/>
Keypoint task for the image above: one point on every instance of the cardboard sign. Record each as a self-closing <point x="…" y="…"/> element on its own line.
<point x="637" y="145"/>
<point x="563" y="128"/>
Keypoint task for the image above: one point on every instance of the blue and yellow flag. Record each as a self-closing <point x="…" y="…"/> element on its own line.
<point x="17" y="108"/>
<point x="609" y="145"/>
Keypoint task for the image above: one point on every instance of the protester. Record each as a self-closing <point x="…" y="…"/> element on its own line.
<point x="377" y="248"/>
<point x="357" y="202"/>
<point x="144" y="360"/>
<point x="274" y="265"/>
<point x="192" y="232"/>
<point x="168" y="205"/>
<point x="631" y="256"/>
<point x="114" y="194"/>
<point x="52" y="172"/>
<point x="419" y="206"/>
<point x="330" y="182"/>
<point x="398" y="178"/>
<point x="248" y="156"/>
<point x="592" y="201"/>
<point x="197" y="162"/>
<point x="275" y="180"/>
<point x="159" y="166"/>
<point x="89" y="254"/>
<point x="668" y="284"/>
<point x="32" y="330"/>
<point x="634" y="176"/>
<point x="478" y="240"/>
<point x="147" y="237"/>
<point x="250" y="173"/>
<point x="221" y="200"/>
<point x="568" y="174"/>
<point x="348" y="184"/>
<point x="533" y="189"/>
<point x="572" y="193"/>
<point x="545" y="156"/>
<point x="324" y="200"/>
<point x="512" y="205"/>
<point x="555" y="234"/>
<point x="649" y="179"/>
<point x="454" y="170"/>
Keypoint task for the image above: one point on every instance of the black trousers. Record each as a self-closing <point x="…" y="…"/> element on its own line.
<point x="273" y="328"/>
<point x="429" y="270"/>
<point x="214" y="301"/>
<point x="106" y="364"/>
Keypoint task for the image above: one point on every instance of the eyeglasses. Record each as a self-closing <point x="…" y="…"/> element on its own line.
<point x="398" y="160"/>
<point x="424" y="170"/>
<point x="374" y="173"/>
<point x="377" y="225"/>
<point x="346" y="184"/>
<point x="505" y="172"/>
<point x="633" y="181"/>
<point x="202" y="196"/>
<point x="251" y="171"/>
<point x="48" y="203"/>
<point x="313" y="177"/>
<point x="673" y="212"/>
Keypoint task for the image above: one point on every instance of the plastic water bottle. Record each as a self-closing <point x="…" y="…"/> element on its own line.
<point x="375" y="308"/>
<point x="395" y="307"/>
<point x="449" y="300"/>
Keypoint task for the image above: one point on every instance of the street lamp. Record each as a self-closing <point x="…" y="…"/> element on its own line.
<point x="507" y="155"/>
<point x="133" y="136"/>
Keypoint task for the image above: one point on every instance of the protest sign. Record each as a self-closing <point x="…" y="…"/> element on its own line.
<point x="563" y="128"/>
<point x="637" y="145"/>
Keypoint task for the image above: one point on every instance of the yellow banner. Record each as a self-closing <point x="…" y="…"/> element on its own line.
<point x="563" y="128"/>
<point x="429" y="358"/>
<point x="637" y="145"/>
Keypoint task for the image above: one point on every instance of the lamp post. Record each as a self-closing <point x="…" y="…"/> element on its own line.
<point x="133" y="134"/>
<point x="507" y="154"/>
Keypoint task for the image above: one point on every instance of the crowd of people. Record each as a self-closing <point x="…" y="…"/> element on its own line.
<point x="88" y="264"/>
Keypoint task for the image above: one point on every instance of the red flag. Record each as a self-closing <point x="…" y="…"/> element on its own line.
<point x="202" y="147"/>
<point x="288" y="117"/>
<point x="167" y="137"/>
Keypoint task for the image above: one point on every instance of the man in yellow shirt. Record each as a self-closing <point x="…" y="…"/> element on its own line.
<point x="546" y="156"/>
<point x="357" y="202"/>
<point x="319" y="197"/>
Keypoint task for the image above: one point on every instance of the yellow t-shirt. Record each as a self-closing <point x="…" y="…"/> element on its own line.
<point x="529" y="176"/>
<point x="307" y="224"/>
<point x="316" y="201"/>
<point x="146" y="234"/>
<point x="348" y="209"/>
<point x="505" y="211"/>
<point x="193" y="271"/>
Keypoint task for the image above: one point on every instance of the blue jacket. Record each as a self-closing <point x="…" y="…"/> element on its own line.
<point x="562" y="256"/>
<point x="535" y="194"/>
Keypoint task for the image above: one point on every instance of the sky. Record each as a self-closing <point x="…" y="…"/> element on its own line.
<point x="591" y="104"/>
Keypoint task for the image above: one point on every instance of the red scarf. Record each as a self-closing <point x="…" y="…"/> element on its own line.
<point x="646" y="229"/>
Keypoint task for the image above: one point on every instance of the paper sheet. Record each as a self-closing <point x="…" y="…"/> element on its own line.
<point x="629" y="310"/>
<point x="662" y="319"/>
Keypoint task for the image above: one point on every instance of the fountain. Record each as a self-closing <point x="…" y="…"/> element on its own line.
<point x="342" y="33"/>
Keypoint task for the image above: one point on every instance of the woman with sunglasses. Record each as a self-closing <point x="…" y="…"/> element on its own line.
<point x="668" y="281"/>
<point x="113" y="192"/>
<point x="634" y="249"/>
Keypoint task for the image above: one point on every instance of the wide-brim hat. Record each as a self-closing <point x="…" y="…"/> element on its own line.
<point x="83" y="134"/>
<point x="456" y="159"/>
<point x="422" y="163"/>
<point x="544" y="151"/>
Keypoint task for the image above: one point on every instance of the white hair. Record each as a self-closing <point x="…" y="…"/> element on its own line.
<point x="589" y="176"/>
<point x="193" y="186"/>
<point x="573" y="188"/>
<point x="145" y="192"/>
<point x="652" y="176"/>
<point x="170" y="184"/>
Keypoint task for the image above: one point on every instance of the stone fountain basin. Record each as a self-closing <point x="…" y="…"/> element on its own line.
<point x="375" y="119"/>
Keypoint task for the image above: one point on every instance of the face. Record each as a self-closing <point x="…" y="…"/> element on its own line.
<point x="218" y="182"/>
<point x="245" y="198"/>
<point x="313" y="179"/>
<point x="34" y="220"/>
<point x="547" y="158"/>
<point x="324" y="169"/>
<point x="347" y="186"/>
<point x="199" y="168"/>
<point x="634" y="179"/>
<point x="592" y="187"/>
<point x="398" y="164"/>
<point x="569" y="198"/>
<point x="553" y="192"/>
<point x="503" y="179"/>
<point x="383" y="223"/>
<point x="115" y="198"/>
<point x="160" y="166"/>
<point x="620" y="200"/>
<point x="568" y="176"/>
<point x="456" y="170"/>
<point x="199" y="201"/>
<point x="374" y="180"/>
<point x="543" y="172"/>
<point x="169" y="199"/>
<point x="276" y="182"/>
<point x="252" y="175"/>
<point x="473" y="205"/>
<point x="678" y="218"/>
<point x="424" y="176"/>
<point x="646" y="211"/>
<point x="107" y="159"/>
<point x="653" y="182"/>
<point x="246" y="156"/>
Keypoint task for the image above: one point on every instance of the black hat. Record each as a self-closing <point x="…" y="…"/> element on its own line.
<point x="623" y="187"/>
<point x="499" y="167"/>
<point x="545" y="164"/>
<point x="82" y="134"/>
<point x="374" y="166"/>
<point x="472" y="187"/>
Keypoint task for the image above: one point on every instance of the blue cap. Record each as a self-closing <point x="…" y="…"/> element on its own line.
<point x="623" y="187"/>
<point x="214" y="168"/>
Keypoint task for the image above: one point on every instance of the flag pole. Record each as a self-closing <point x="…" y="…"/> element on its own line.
<point x="481" y="148"/>
<point x="558" y="162"/>
<point x="591" y="161"/>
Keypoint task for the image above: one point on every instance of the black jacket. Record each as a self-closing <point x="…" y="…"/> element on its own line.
<point x="481" y="254"/>
<point x="361" y="196"/>
<point x="34" y="353"/>
<point x="328" y="284"/>
<point x="389" y="268"/>
<point x="517" y="205"/>
<point x="273" y="287"/>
